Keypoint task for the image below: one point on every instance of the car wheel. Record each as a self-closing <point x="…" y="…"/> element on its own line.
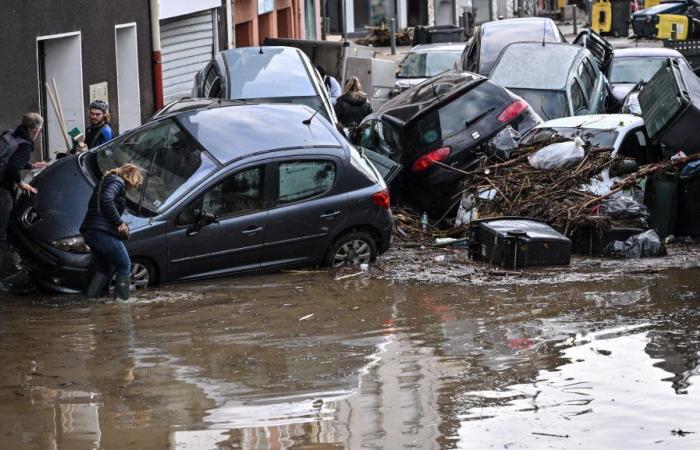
<point x="143" y="274"/>
<point x="352" y="249"/>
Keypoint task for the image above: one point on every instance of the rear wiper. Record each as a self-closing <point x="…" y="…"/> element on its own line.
<point x="478" y="117"/>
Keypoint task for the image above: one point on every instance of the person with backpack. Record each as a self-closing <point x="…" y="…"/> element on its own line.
<point x="104" y="230"/>
<point x="332" y="85"/>
<point x="99" y="130"/>
<point x="16" y="149"/>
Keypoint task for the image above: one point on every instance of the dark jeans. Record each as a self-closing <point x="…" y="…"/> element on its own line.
<point x="108" y="253"/>
<point x="6" y="204"/>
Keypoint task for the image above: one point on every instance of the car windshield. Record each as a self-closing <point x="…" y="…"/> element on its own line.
<point x="459" y="114"/>
<point x="428" y="64"/>
<point x="497" y="36"/>
<point x="171" y="161"/>
<point x="268" y="72"/>
<point x="632" y="70"/>
<point x="592" y="136"/>
<point x="548" y="104"/>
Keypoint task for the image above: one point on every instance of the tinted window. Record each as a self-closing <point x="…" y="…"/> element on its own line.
<point x="578" y="100"/>
<point x="453" y="117"/>
<point x="586" y="75"/>
<point x="300" y="180"/>
<point x="496" y="37"/>
<point x="171" y="161"/>
<point x="548" y="104"/>
<point x="419" y="65"/>
<point x="274" y="73"/>
<point x="367" y="135"/>
<point x="238" y="194"/>
<point x="633" y="70"/>
<point x="388" y="141"/>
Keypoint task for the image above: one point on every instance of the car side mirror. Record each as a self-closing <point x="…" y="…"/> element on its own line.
<point x="202" y="219"/>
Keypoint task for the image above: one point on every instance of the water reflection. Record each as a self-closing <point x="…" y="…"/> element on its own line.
<point x="308" y="362"/>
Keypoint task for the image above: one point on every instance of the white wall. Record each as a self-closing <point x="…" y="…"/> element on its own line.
<point x="174" y="8"/>
<point x="129" y="97"/>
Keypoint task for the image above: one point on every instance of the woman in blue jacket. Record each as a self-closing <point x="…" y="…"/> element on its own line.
<point x="105" y="232"/>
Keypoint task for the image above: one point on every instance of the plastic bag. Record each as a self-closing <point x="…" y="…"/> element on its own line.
<point x="558" y="156"/>
<point x="642" y="245"/>
<point x="502" y="145"/>
<point x="624" y="208"/>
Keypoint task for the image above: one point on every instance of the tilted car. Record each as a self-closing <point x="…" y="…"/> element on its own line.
<point x="490" y="38"/>
<point x="557" y="80"/>
<point x="438" y="126"/>
<point x="265" y="74"/>
<point x="227" y="190"/>
<point x="644" y="22"/>
<point x="425" y="61"/>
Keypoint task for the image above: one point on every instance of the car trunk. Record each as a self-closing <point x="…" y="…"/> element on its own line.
<point x="670" y="104"/>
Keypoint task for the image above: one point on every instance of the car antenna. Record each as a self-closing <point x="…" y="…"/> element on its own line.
<point x="544" y="31"/>
<point x="308" y="121"/>
<point x="432" y="82"/>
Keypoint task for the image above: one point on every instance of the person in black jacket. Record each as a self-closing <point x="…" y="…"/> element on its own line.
<point x="353" y="105"/>
<point x="11" y="177"/>
<point x="104" y="230"/>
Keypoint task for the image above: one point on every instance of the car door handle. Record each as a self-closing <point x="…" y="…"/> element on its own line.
<point x="328" y="215"/>
<point x="252" y="229"/>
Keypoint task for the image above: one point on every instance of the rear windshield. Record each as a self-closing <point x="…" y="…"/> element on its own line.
<point x="496" y="38"/>
<point x="274" y="73"/>
<point x="633" y="70"/>
<point x="452" y="118"/>
<point x="548" y="104"/>
<point x="421" y="65"/>
<point x="594" y="137"/>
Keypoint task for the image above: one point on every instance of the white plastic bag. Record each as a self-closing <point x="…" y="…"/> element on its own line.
<point x="558" y="156"/>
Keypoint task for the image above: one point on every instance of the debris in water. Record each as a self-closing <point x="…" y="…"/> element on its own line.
<point x="306" y="317"/>
<point x="551" y="435"/>
<point x="681" y="433"/>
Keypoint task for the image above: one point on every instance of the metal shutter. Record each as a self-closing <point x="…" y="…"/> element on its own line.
<point x="187" y="45"/>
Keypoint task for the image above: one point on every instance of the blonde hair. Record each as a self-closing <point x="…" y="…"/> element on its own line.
<point x="353" y="85"/>
<point x="131" y="173"/>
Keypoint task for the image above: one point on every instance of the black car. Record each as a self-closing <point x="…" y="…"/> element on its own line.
<point x="444" y="121"/>
<point x="227" y="189"/>
<point x="490" y="38"/>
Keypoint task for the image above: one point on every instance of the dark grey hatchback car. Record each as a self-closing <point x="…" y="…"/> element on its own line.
<point x="228" y="189"/>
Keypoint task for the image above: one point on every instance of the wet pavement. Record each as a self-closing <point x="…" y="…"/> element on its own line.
<point x="300" y="360"/>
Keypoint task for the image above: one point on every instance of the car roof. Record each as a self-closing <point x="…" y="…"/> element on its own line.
<point x="595" y="121"/>
<point x="539" y="61"/>
<point x="425" y="48"/>
<point x="509" y="23"/>
<point x="412" y="102"/>
<point x="233" y="132"/>
<point x="645" y="52"/>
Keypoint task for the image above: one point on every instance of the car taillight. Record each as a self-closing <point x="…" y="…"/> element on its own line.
<point x="429" y="159"/>
<point x="381" y="199"/>
<point x="512" y="111"/>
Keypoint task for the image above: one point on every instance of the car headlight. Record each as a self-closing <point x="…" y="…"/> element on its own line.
<point x="73" y="244"/>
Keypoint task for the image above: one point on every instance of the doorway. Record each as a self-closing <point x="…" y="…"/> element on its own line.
<point x="128" y="94"/>
<point x="60" y="58"/>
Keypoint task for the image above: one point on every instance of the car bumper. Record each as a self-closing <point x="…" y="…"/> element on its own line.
<point x="52" y="268"/>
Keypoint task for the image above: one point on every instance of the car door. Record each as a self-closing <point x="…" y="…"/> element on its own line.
<point x="223" y="229"/>
<point x="310" y="207"/>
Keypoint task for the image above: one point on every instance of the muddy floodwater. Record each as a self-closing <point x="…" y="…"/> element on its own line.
<point x="299" y="360"/>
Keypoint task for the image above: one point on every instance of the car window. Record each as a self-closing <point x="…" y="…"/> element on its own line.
<point x="238" y="194"/>
<point x="367" y="135"/>
<point x="578" y="100"/>
<point x="212" y="84"/>
<point x="587" y="76"/>
<point x="427" y="64"/>
<point x="301" y="180"/>
<point x="388" y="140"/>
<point x="633" y="70"/>
<point x="171" y="161"/>
<point x="453" y="117"/>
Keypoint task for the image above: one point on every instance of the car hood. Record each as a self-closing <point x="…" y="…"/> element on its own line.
<point x="60" y="204"/>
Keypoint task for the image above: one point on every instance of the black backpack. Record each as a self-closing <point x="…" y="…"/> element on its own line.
<point x="8" y="147"/>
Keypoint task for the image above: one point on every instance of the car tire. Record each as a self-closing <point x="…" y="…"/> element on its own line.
<point x="143" y="274"/>
<point x="352" y="249"/>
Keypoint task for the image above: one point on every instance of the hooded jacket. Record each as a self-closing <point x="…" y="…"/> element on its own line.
<point x="19" y="160"/>
<point x="106" y="206"/>
<point x="352" y="107"/>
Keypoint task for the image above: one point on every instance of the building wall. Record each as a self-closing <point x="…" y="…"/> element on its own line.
<point x="287" y="20"/>
<point x="23" y="22"/>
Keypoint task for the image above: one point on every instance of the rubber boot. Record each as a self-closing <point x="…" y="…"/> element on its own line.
<point x="121" y="287"/>
<point x="97" y="284"/>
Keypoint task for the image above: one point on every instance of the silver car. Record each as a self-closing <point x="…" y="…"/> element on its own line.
<point x="425" y="61"/>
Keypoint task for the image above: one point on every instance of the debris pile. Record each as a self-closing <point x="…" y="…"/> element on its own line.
<point x="380" y="36"/>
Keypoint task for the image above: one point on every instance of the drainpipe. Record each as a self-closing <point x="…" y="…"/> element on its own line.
<point x="157" y="60"/>
<point x="229" y="25"/>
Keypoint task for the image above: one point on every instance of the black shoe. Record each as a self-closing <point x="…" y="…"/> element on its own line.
<point x="122" y="287"/>
<point x="97" y="284"/>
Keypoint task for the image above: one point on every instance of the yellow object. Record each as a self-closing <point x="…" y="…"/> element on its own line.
<point x="560" y="4"/>
<point x="601" y="12"/>
<point x="665" y="27"/>
<point x="650" y="3"/>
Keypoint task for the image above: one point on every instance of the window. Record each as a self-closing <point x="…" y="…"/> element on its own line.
<point x="171" y="161"/>
<point x="587" y="76"/>
<point x="300" y="180"/>
<point x="212" y="84"/>
<point x="578" y="100"/>
<point x="238" y="194"/>
<point x="388" y="142"/>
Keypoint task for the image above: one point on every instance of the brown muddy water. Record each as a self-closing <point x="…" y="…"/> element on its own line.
<point x="302" y="361"/>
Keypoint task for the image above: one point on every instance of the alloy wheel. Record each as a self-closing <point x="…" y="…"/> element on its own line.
<point x="352" y="253"/>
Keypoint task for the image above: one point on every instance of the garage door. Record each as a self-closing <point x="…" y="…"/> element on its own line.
<point x="187" y="45"/>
